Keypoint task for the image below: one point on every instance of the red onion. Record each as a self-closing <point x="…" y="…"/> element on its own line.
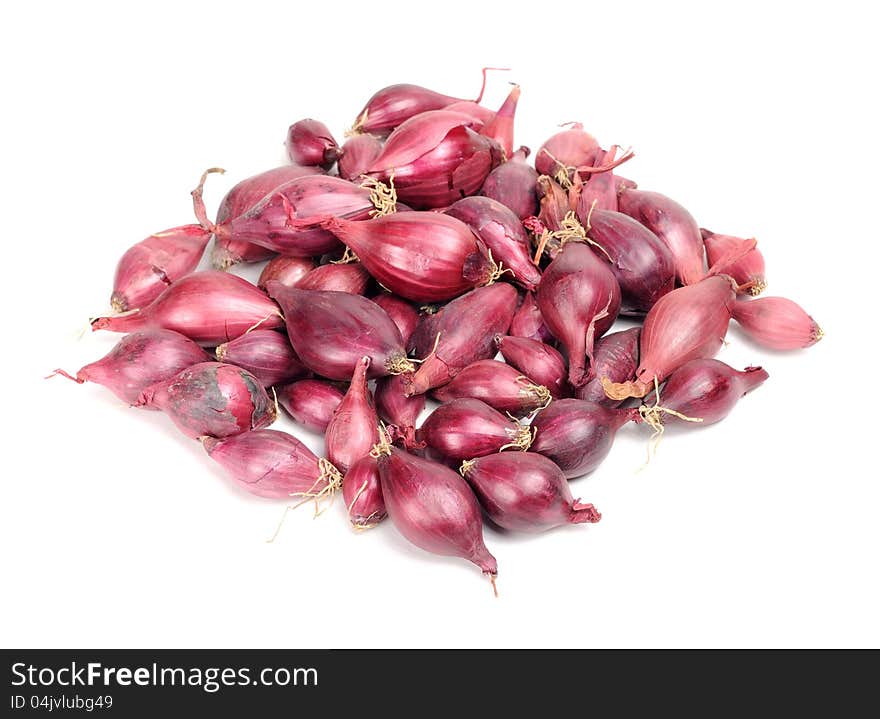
<point x="348" y="277"/>
<point x="577" y="435"/>
<point x="435" y="158"/>
<point x="405" y="316"/>
<point x="600" y="190"/>
<point x="148" y="267"/>
<point x="616" y="357"/>
<point x="213" y="399"/>
<point x="209" y="307"/>
<point x="527" y="322"/>
<point x="461" y="333"/>
<point x="540" y="362"/>
<point x="497" y="384"/>
<point x="266" y="354"/>
<point x="310" y="143"/>
<point x="777" y="323"/>
<point x="673" y="224"/>
<point x="356" y="155"/>
<point x="331" y="332"/>
<point x="421" y="256"/>
<point x="354" y="427"/>
<point x="705" y="390"/>
<point x="138" y="361"/>
<point x="395" y="408"/>
<point x="526" y="492"/>
<point x="554" y="205"/>
<point x="273" y="464"/>
<point x="579" y="299"/>
<point x="502" y="232"/>
<point x="362" y="493"/>
<point x="571" y="151"/>
<point x="467" y="428"/>
<point x="479" y="114"/>
<point x="688" y="323"/>
<point x="641" y="263"/>
<point x="286" y="270"/>
<point x="310" y="402"/>
<point x="500" y="127"/>
<point x="513" y="185"/>
<point x="747" y="269"/>
<point x="433" y="507"/>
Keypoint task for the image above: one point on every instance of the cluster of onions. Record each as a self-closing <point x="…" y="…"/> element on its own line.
<point x="424" y="260"/>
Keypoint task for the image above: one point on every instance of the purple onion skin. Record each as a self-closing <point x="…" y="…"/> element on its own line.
<point x="331" y="331"/>
<point x="499" y="385"/>
<point x="395" y="408"/>
<point x="467" y="428"/>
<point x="577" y="435"/>
<point x="362" y="493"/>
<point x="350" y="277"/>
<point x="266" y="354"/>
<point x="528" y="322"/>
<point x="286" y="270"/>
<point x="268" y="463"/>
<point x="641" y="263"/>
<point x="310" y="402"/>
<point x="537" y="361"/>
<point x="513" y="185"/>
<point x="356" y="156"/>
<point x="212" y="399"/>
<point x="616" y="356"/>
<point x="403" y="314"/>
<point x="707" y="389"/>
<point x="311" y="144"/>
<point x="467" y="327"/>
<point x="525" y="492"/>
<point x="393" y="105"/>
<point x="502" y="233"/>
<point x="354" y="427"/>
<point x="433" y="507"/>
<point x="140" y="360"/>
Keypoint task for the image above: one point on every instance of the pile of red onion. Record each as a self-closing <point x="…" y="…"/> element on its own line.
<point x="441" y="311"/>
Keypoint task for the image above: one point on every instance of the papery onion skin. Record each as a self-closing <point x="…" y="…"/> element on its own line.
<point x="525" y="492"/>
<point x="512" y="184"/>
<point x="311" y="144"/>
<point x="395" y="408"/>
<point x="354" y="427"/>
<point x="357" y="154"/>
<point x="777" y="323"/>
<point x="569" y="148"/>
<point x="538" y="361"/>
<point x="434" y="508"/>
<point x="350" y="277"/>
<point x="600" y="191"/>
<point x="139" y="360"/>
<point x="209" y="307"/>
<point x="310" y="402"/>
<point x="497" y="384"/>
<point x="212" y="399"/>
<point x="266" y="354"/>
<point x="331" y="332"/>
<point x="148" y="267"/>
<point x="362" y="494"/>
<point x="500" y="126"/>
<point x="615" y="357"/>
<point x="528" y="321"/>
<point x="748" y="270"/>
<point x="393" y="105"/>
<point x="404" y="315"/>
<point x="577" y="435"/>
<point x="269" y="463"/>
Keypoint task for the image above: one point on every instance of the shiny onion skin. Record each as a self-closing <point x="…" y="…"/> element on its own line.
<point x="674" y="225"/>
<point x="266" y="354"/>
<point x="497" y="384"/>
<point x="513" y="185"/>
<point x="350" y="277"/>
<point x="286" y="270"/>
<point x="356" y="155"/>
<point x="331" y="332"/>
<point x="525" y="492"/>
<point x="354" y="427"/>
<point x="139" y="360"/>
<point x="502" y="233"/>
<point x="705" y="389"/>
<point x="565" y="151"/>
<point x="615" y="357"/>
<point x="212" y="399"/>
<point x="579" y="299"/>
<point x="310" y="402"/>
<point x="420" y="256"/>
<point x="479" y="114"/>
<point x="273" y="464"/>
<point x="404" y="315"/>
<point x="527" y="321"/>
<point x="209" y="307"/>
<point x="433" y="507"/>
<point x="362" y="494"/>
<point x="537" y="361"/>
<point x="500" y="127"/>
<point x="688" y="323"/>
<point x="599" y="192"/>
<point x="435" y="158"/>
<point x="641" y="263"/>
<point x="467" y="428"/>
<point x="577" y="435"/>
<point x="395" y="408"/>
<point x="777" y="323"/>
<point x="311" y="144"/>
<point x="148" y="267"/>
<point x="466" y="328"/>
<point x="748" y="270"/>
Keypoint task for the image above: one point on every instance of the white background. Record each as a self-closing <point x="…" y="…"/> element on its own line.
<point x="761" y="530"/>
